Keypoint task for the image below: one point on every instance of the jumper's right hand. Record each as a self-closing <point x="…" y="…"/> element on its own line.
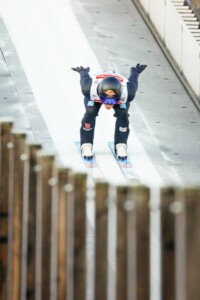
<point x="79" y="69"/>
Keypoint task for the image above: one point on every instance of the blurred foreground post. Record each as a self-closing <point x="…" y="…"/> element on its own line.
<point x="65" y="189"/>
<point x="101" y="241"/>
<point x="46" y="194"/>
<point x="19" y="185"/>
<point x="168" y="263"/>
<point x="31" y="243"/>
<point x="79" y="280"/>
<point x="180" y="243"/>
<point x="133" y="243"/>
<point x="192" y="243"/>
<point x="141" y="197"/>
<point x="6" y="159"/>
<point x="122" y="243"/>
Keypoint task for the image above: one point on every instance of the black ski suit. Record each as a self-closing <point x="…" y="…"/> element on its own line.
<point x="121" y="114"/>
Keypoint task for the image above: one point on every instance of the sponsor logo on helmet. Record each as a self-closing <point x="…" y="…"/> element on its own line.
<point x="123" y="129"/>
<point x="102" y="76"/>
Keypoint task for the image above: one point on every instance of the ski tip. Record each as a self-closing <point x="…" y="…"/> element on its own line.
<point x="124" y="163"/>
<point x="89" y="163"/>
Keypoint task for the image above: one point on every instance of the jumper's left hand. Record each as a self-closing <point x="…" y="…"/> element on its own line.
<point x="139" y="68"/>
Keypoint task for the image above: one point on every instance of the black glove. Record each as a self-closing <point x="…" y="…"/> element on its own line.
<point x="79" y="69"/>
<point x="139" y="68"/>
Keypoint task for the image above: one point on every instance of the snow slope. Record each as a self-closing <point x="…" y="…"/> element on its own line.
<point x="47" y="37"/>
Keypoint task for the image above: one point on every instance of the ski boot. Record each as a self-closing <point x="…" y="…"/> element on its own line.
<point x="121" y="152"/>
<point x="86" y="151"/>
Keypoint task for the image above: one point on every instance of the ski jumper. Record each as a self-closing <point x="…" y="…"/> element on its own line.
<point x="93" y="104"/>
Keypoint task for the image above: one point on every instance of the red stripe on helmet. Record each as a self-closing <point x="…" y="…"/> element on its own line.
<point x="101" y="76"/>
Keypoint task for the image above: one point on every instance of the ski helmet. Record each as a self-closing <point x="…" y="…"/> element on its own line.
<point x="109" y="90"/>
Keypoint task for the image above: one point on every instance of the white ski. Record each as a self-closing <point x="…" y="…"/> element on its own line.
<point x="91" y="165"/>
<point x="125" y="166"/>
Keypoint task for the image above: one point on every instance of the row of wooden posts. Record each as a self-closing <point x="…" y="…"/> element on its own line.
<point x="43" y="232"/>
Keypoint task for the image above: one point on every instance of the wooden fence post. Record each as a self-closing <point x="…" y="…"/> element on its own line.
<point x="101" y="241"/>
<point x="192" y="242"/>
<point x="141" y="197"/>
<point x="122" y="244"/>
<point x="133" y="243"/>
<point x="5" y="176"/>
<point x="168" y="263"/>
<point x="20" y="161"/>
<point x="46" y="194"/>
<point x="31" y="243"/>
<point x="65" y="188"/>
<point x="79" y="280"/>
<point x="180" y="219"/>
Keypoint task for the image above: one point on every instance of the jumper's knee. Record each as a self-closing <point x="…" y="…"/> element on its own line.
<point x="91" y="112"/>
<point x="89" y="118"/>
<point x="121" y="112"/>
<point x="122" y="115"/>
